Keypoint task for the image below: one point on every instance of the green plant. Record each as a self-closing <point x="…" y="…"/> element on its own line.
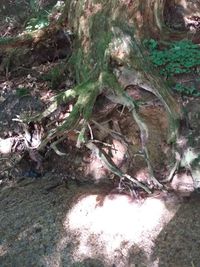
<point x="178" y="57"/>
<point x="22" y="91"/>
<point x="186" y="90"/>
<point x="39" y="22"/>
<point x="41" y="17"/>
<point x="175" y="58"/>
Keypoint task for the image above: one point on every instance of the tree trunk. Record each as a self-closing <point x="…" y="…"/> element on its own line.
<point x="108" y="56"/>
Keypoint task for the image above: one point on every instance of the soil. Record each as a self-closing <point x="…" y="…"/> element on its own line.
<point x="51" y="222"/>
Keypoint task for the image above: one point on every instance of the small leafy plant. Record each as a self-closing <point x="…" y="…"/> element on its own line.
<point x="22" y="91"/>
<point x="175" y="58"/>
<point x="38" y="22"/>
<point x="186" y="90"/>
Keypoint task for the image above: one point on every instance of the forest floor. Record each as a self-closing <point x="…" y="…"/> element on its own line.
<point x="72" y="212"/>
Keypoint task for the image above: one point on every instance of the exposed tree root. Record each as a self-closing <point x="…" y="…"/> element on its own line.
<point x="82" y="112"/>
<point x="87" y="94"/>
<point x="113" y="168"/>
<point x="121" y="97"/>
<point x="175" y="168"/>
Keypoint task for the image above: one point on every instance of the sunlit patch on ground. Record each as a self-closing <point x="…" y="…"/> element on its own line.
<point x="109" y="230"/>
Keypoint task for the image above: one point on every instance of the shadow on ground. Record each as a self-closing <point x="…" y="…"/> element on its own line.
<point x="178" y="244"/>
<point x="51" y="223"/>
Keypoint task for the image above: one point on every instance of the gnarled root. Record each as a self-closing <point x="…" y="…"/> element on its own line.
<point x="121" y="97"/>
<point x="80" y="115"/>
<point x="113" y="168"/>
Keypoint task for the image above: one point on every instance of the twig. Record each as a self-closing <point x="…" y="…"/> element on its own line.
<point x="91" y="133"/>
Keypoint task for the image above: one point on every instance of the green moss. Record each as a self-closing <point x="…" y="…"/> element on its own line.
<point x="88" y="93"/>
<point x="79" y="66"/>
<point x="55" y="76"/>
<point x="87" y="63"/>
